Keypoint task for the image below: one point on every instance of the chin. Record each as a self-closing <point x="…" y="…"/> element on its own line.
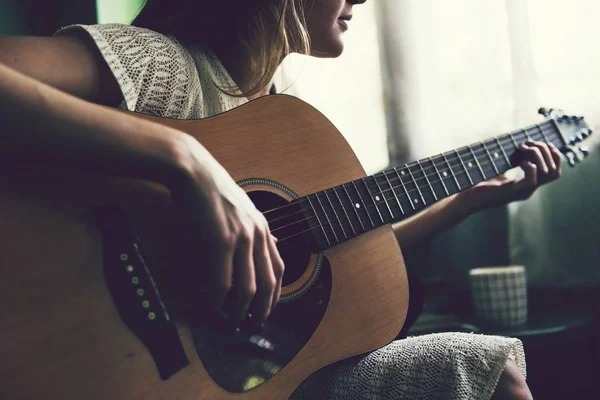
<point x="331" y="50"/>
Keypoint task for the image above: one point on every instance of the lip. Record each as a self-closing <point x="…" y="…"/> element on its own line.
<point x="345" y="17"/>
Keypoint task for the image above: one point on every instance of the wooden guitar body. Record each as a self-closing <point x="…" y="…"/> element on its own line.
<point x="61" y="333"/>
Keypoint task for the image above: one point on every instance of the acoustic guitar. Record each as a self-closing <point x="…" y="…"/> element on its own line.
<point x="92" y="289"/>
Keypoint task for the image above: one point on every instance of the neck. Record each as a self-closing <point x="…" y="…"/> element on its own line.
<point x="337" y="214"/>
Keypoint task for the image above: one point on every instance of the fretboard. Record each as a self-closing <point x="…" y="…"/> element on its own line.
<point x="353" y="208"/>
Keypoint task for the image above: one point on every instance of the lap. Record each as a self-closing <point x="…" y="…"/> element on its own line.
<point x="437" y="366"/>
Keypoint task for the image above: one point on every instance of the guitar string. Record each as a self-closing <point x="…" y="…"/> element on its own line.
<point x="448" y="160"/>
<point x="394" y="180"/>
<point x="367" y="207"/>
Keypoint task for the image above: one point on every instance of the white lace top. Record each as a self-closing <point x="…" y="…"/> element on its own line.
<point x="160" y="76"/>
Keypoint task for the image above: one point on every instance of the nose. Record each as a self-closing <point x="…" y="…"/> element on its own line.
<point x="356" y="1"/>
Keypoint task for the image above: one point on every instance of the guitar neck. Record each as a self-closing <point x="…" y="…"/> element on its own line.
<point x="340" y="213"/>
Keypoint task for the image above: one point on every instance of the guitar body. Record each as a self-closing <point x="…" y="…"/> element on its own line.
<point x="61" y="335"/>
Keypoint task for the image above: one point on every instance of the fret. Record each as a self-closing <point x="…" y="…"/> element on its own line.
<point x="404" y="187"/>
<point x="491" y="159"/>
<point x="319" y="220"/>
<point x="541" y="128"/>
<point x="363" y="203"/>
<point x="372" y="199"/>
<point x="440" y="176"/>
<point x="344" y="210"/>
<point x="428" y="181"/>
<point x="503" y="152"/>
<point x="419" y="177"/>
<point x="416" y="185"/>
<point x="477" y="162"/>
<point x="354" y="207"/>
<point x="464" y="167"/>
<point x="514" y="142"/>
<point x="452" y="172"/>
<point x="327" y="217"/>
<point x="526" y="134"/>
<point x="383" y="195"/>
<point x="394" y="192"/>
<point x="485" y="159"/>
<point x="336" y="215"/>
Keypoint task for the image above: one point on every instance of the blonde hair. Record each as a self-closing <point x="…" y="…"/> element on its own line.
<point x="263" y="32"/>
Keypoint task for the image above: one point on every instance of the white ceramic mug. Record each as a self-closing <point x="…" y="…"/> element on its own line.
<point x="500" y="295"/>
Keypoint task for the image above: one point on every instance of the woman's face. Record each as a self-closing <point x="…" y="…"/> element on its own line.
<point x="326" y="21"/>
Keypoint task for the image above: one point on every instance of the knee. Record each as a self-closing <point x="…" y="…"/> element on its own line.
<point x="512" y="385"/>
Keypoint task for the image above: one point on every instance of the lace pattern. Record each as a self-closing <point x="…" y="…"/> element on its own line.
<point x="160" y="76"/>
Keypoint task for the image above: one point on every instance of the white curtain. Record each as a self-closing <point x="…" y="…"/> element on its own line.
<point x="465" y="70"/>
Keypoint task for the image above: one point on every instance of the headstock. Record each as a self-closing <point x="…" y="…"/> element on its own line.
<point x="573" y="130"/>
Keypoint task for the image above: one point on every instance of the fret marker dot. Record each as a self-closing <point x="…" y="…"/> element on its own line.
<point x="403" y="173"/>
<point x="496" y="155"/>
<point x="470" y="165"/>
<point x="377" y="198"/>
<point x="416" y="201"/>
<point x="357" y="205"/>
<point x="445" y="173"/>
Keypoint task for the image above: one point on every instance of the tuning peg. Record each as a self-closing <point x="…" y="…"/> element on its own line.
<point x="584" y="152"/>
<point x="571" y="158"/>
<point x="572" y="155"/>
<point x="585" y="132"/>
<point x="543" y="111"/>
<point x="582" y="134"/>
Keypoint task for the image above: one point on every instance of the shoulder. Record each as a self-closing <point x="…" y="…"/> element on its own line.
<point x="155" y="72"/>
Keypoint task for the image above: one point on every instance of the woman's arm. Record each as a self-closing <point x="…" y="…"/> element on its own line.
<point x="70" y="63"/>
<point x="36" y="117"/>
<point x="48" y="126"/>
<point x="423" y="226"/>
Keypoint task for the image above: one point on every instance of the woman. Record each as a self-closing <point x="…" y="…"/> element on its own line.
<point x="196" y="58"/>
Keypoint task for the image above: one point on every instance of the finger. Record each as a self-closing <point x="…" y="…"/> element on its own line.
<point x="547" y="155"/>
<point x="278" y="270"/>
<point x="265" y="279"/>
<point x="534" y="155"/>
<point x="528" y="183"/>
<point x="557" y="157"/>
<point x="222" y="260"/>
<point x="244" y="278"/>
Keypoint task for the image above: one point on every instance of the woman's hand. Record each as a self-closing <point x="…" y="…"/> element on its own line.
<point x="240" y="257"/>
<point x="542" y="164"/>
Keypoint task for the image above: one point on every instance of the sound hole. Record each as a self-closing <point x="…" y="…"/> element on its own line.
<point x="289" y="224"/>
